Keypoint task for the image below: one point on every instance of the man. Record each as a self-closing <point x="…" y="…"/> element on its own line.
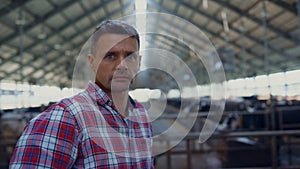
<point x="101" y="127"/>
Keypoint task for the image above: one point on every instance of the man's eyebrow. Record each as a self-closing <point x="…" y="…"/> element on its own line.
<point x="130" y="52"/>
<point x="125" y="51"/>
<point x="110" y="52"/>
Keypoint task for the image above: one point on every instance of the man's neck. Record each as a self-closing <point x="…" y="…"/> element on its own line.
<point x="120" y="100"/>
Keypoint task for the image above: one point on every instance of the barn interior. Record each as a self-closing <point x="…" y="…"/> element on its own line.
<point x="220" y="78"/>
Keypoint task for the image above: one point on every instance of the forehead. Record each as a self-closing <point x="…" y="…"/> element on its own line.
<point x="110" y="41"/>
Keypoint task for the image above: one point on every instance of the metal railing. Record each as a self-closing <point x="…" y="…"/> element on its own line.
<point x="275" y="138"/>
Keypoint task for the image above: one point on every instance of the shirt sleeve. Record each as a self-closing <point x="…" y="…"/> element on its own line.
<point x="49" y="141"/>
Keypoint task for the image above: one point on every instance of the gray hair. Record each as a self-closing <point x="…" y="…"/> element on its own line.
<point x="113" y="26"/>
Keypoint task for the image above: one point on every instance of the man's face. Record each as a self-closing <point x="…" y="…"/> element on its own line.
<point x="116" y="62"/>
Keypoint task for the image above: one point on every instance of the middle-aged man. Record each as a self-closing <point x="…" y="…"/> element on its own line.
<point x="101" y="127"/>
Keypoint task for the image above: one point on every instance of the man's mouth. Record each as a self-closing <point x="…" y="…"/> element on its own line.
<point x="121" y="78"/>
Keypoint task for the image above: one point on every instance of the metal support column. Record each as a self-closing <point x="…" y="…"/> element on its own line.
<point x="242" y="32"/>
<point x="298" y="10"/>
<point x="1" y="94"/>
<point x="227" y="39"/>
<point x="43" y="37"/>
<point x="265" y="33"/>
<point x="285" y="85"/>
<point x="20" y="23"/>
<point x="169" y="161"/>
<point x="274" y="144"/>
<point x="189" y="154"/>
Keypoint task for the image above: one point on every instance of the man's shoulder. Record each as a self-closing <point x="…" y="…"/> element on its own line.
<point x="68" y="104"/>
<point x="77" y="98"/>
<point x="139" y="105"/>
<point x="77" y="103"/>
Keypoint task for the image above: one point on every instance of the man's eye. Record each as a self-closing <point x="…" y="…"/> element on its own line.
<point x="131" y="57"/>
<point x="110" y="56"/>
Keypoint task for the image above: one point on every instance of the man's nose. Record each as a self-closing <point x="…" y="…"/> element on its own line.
<point x="122" y="63"/>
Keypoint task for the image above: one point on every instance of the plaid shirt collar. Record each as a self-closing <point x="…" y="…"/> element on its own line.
<point x="102" y="98"/>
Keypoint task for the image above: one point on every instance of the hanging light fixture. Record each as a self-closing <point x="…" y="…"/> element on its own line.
<point x="225" y="22"/>
<point x="205" y="4"/>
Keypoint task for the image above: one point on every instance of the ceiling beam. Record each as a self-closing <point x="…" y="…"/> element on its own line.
<point x="74" y="36"/>
<point x="187" y="41"/>
<point x="255" y="40"/>
<point x="179" y="47"/>
<point x="48" y="27"/>
<point x="286" y="6"/>
<point x="39" y="20"/>
<point x="14" y="4"/>
<point x="255" y="19"/>
<point x="58" y="31"/>
<point x="158" y="6"/>
<point x="72" y="22"/>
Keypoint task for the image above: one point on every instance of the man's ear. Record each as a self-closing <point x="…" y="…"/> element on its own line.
<point x="91" y="59"/>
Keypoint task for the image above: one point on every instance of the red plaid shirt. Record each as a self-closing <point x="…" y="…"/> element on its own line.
<point x="86" y="131"/>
